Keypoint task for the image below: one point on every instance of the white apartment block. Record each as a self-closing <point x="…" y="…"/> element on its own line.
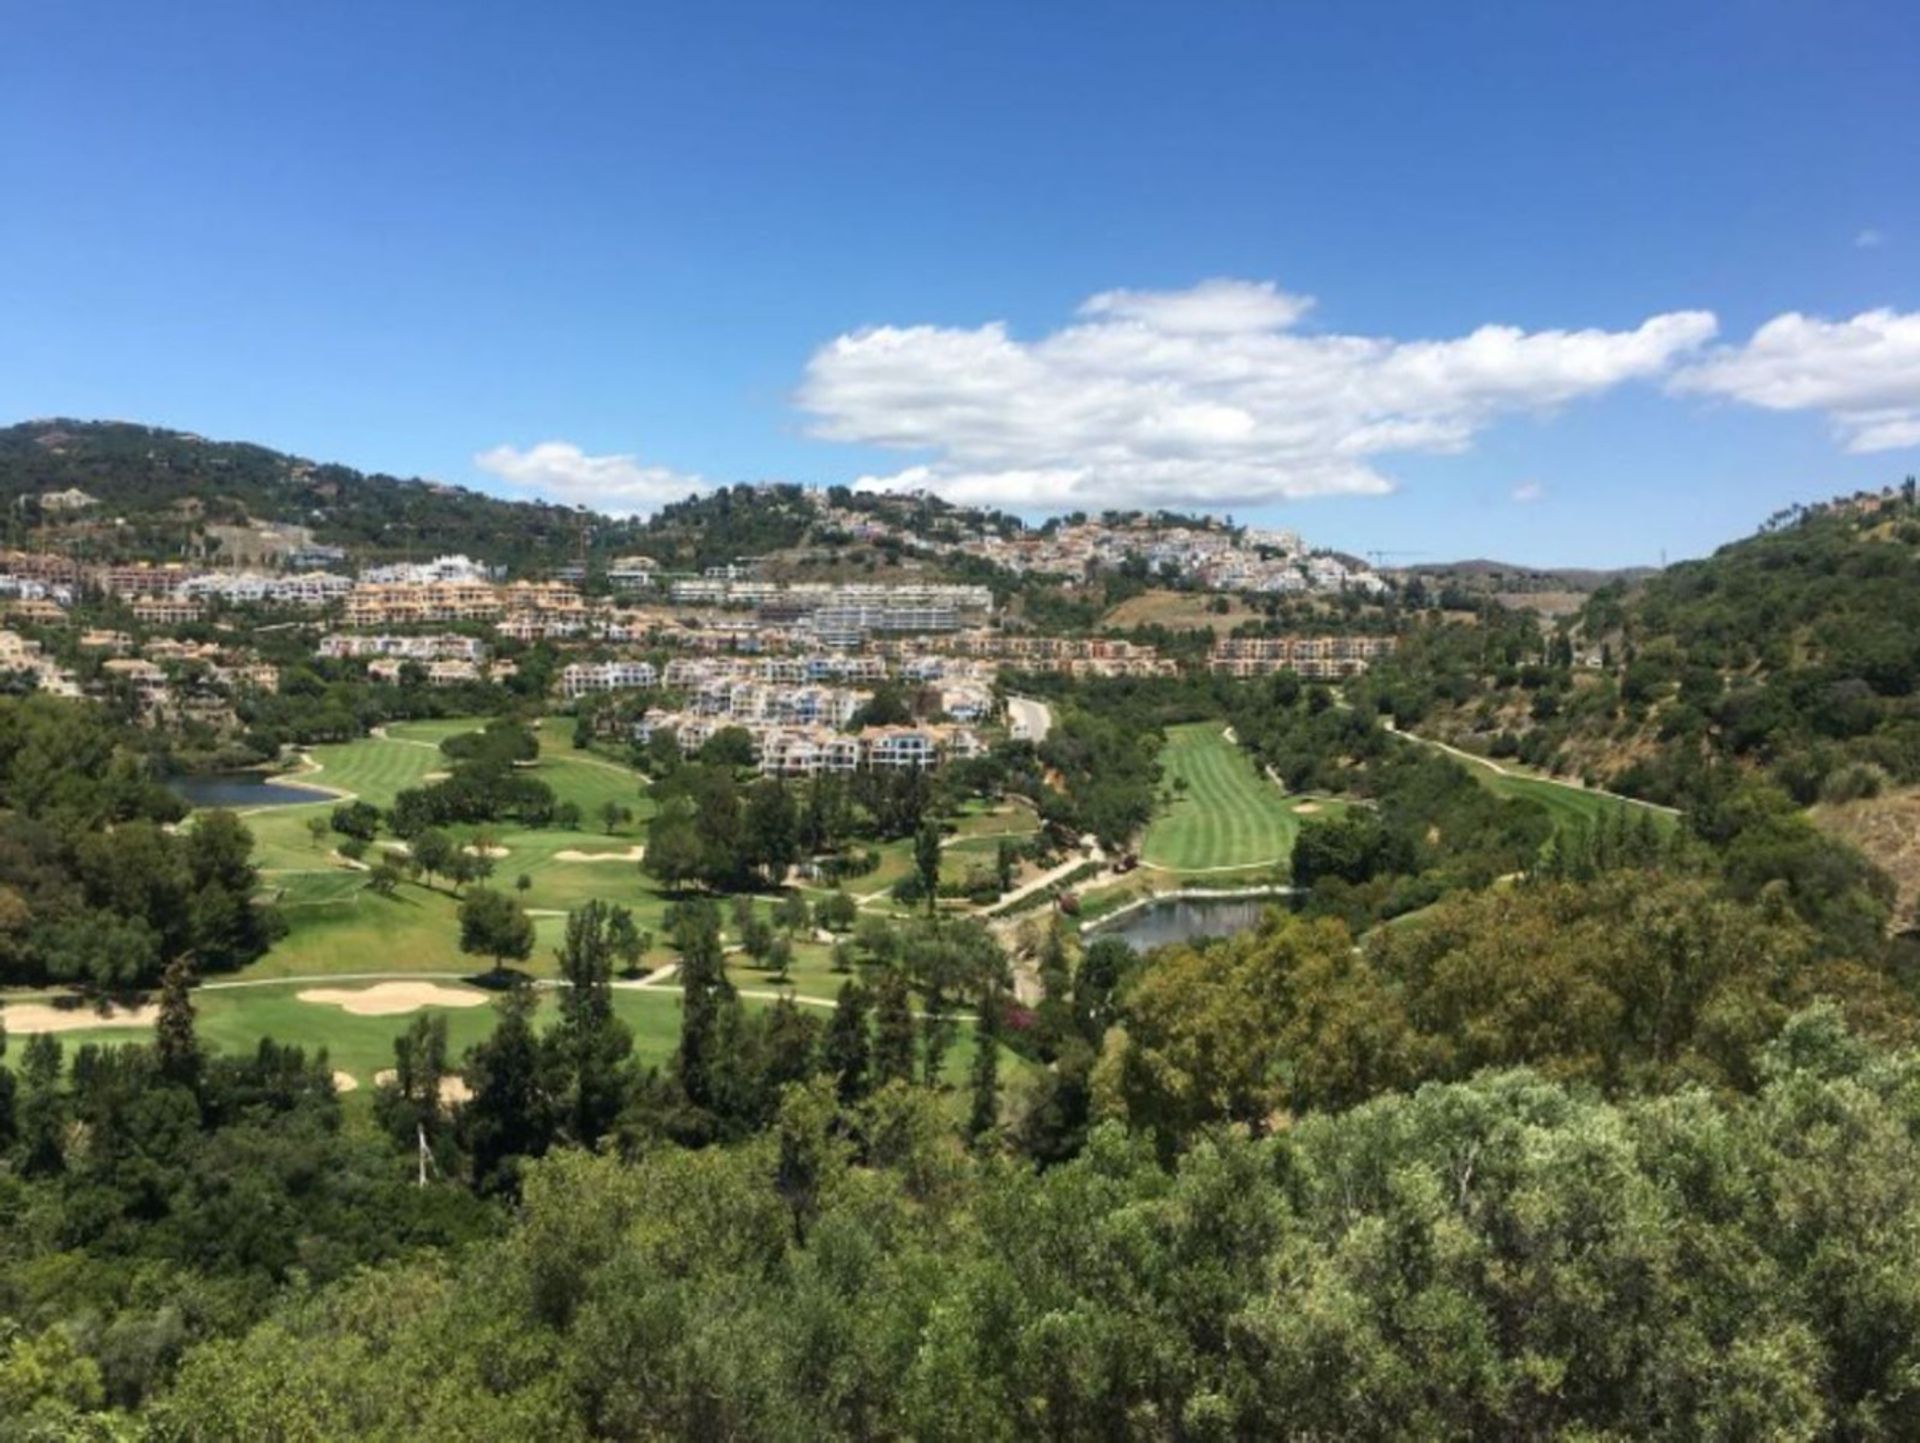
<point x="421" y="573"/>
<point x="582" y="678"/>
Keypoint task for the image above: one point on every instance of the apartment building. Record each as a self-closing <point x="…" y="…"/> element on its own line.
<point x="802" y="750"/>
<point x="391" y="603"/>
<point x="1319" y="658"/>
<point x="309" y="590"/>
<point x="167" y="610"/>
<point x="584" y="678"/>
<point x="141" y="578"/>
<point x="449" y="646"/>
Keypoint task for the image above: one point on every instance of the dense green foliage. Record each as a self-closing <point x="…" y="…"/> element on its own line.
<point x="1500" y="1258"/>
<point x="1792" y="651"/>
<point x="95" y="887"/>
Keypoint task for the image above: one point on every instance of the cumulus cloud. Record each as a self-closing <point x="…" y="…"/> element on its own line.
<point x="1864" y="374"/>
<point x="1528" y="492"/>
<point x="1206" y="397"/>
<point x="1870" y="239"/>
<point x="561" y="471"/>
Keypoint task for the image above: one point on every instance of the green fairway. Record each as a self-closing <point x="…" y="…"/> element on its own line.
<point x="1568" y="805"/>
<point x="1227" y="816"/>
<point x="235" y="1019"/>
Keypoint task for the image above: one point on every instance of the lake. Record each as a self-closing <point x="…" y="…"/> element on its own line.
<point x="1182" y="919"/>
<point x="243" y="789"/>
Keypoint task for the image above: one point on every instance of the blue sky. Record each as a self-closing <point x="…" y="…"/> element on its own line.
<point x="408" y="237"/>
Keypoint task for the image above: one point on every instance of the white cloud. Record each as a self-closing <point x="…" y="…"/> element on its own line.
<point x="561" y="471"/>
<point x="1863" y="373"/>
<point x="1202" y="397"/>
<point x="1528" y="492"/>
<point x="1870" y="239"/>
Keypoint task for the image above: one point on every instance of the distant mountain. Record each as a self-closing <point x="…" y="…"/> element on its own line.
<point x="1508" y="576"/>
<point x="160" y="493"/>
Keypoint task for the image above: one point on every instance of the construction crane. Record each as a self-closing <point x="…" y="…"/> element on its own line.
<point x="1379" y="557"/>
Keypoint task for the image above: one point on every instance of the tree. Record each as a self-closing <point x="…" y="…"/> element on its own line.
<point x="983" y="1114"/>
<point x="629" y="943"/>
<point x="792" y="913"/>
<point x="590" y="1043"/>
<point x="411" y="1107"/>
<point x="705" y="994"/>
<point x="492" y="924"/>
<point x="836" y="912"/>
<point x="780" y="958"/>
<point x="612" y="814"/>
<point x="175" y="1047"/>
<point x="847" y="1047"/>
<point x="1006" y="863"/>
<point x="893" y="1029"/>
<point x="317" y="829"/>
<point x="926" y="860"/>
<point x="771" y="830"/>
<point x="9" y="1120"/>
<point x="385" y="877"/>
<point x="433" y="849"/>
<point x="43" y="1108"/>
<point x="509" y="1117"/>
<point x="673" y="845"/>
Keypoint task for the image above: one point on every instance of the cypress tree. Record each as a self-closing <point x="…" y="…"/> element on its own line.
<point x="847" y="1048"/>
<point x="893" y="1030"/>
<point x="984" y="1115"/>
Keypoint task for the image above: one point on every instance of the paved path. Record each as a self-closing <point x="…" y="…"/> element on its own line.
<point x="1045" y="879"/>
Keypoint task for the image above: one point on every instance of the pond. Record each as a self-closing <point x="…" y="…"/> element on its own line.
<point x="242" y="790"/>
<point x="1182" y="919"/>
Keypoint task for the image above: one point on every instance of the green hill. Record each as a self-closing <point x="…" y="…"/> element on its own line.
<point x="1795" y="652"/>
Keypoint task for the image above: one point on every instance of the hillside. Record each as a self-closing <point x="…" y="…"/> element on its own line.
<point x="1793" y="652"/>
<point x="175" y="491"/>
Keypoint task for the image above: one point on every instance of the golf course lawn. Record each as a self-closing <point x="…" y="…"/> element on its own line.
<point x="338" y="927"/>
<point x="235" y="1019"/>
<point x="1227" y="816"/>
<point x="1568" y="805"/>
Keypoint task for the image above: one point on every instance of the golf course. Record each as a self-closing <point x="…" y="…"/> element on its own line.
<point x="1220" y="814"/>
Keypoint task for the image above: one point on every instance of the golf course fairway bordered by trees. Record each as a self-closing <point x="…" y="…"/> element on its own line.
<point x="1221" y="815"/>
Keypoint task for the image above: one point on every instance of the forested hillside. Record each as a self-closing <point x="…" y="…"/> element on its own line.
<point x="1794" y="652"/>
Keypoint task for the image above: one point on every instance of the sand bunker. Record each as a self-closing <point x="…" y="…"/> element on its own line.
<point x="1306" y="809"/>
<point x="389" y="999"/>
<point x="434" y="776"/>
<point x="632" y="854"/>
<point x="472" y="851"/>
<point x="345" y="1082"/>
<point x="25" y="1017"/>
<point x="452" y="1089"/>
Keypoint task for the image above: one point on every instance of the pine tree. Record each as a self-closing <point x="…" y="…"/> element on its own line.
<point x="175" y="1047"/>
<point x="43" y="1109"/>
<point x="510" y="1116"/>
<point x="591" y="1043"/>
